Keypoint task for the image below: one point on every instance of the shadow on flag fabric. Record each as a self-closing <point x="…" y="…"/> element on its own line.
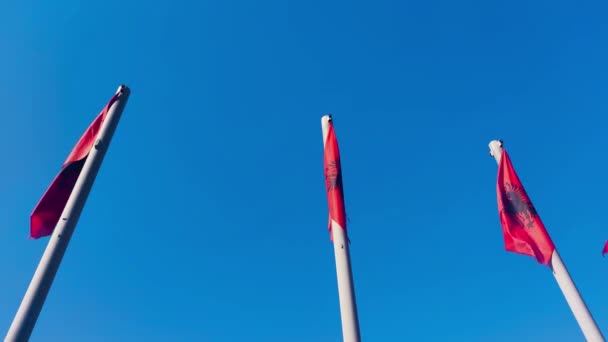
<point x="45" y="216"/>
<point x="333" y="181"/>
<point x="523" y="230"/>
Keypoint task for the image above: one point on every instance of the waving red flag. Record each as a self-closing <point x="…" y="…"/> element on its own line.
<point x="45" y="216"/>
<point x="605" y="249"/>
<point x="333" y="181"/>
<point x="523" y="230"/>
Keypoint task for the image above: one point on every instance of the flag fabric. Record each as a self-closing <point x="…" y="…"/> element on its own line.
<point x="47" y="212"/>
<point x="333" y="181"/>
<point x="523" y="230"/>
<point x="605" y="249"/>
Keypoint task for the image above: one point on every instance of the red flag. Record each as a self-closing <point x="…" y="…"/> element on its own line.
<point x="333" y="181"/>
<point x="523" y="229"/>
<point x="45" y="216"/>
<point x="605" y="249"/>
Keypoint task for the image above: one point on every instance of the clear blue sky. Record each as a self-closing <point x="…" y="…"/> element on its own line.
<point x="208" y="220"/>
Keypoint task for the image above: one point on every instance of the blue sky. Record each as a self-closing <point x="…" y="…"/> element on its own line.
<point x="208" y="220"/>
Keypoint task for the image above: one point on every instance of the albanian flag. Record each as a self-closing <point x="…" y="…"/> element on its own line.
<point x="45" y="216"/>
<point x="523" y="231"/>
<point x="333" y="181"/>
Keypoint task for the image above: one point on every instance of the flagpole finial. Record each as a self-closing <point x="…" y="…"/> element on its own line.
<point x="497" y="142"/>
<point x="496" y="149"/>
<point x="326" y="120"/>
<point x="123" y="89"/>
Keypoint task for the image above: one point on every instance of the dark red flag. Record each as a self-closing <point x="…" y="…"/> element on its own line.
<point x="45" y="216"/>
<point x="605" y="249"/>
<point x="522" y="228"/>
<point x="333" y="181"/>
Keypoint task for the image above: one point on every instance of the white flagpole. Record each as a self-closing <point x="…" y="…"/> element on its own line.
<point x="564" y="281"/>
<point x="34" y="298"/>
<point x="346" y="288"/>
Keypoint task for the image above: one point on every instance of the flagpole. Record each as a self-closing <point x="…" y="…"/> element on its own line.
<point x="346" y="289"/>
<point x="564" y="281"/>
<point x="31" y="305"/>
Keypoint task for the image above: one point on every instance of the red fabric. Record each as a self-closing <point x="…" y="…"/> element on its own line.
<point x="45" y="216"/>
<point x="605" y="249"/>
<point x="523" y="229"/>
<point x="333" y="181"/>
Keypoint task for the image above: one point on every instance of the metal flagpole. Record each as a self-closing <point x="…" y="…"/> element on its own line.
<point x="346" y="289"/>
<point x="564" y="281"/>
<point x="39" y="287"/>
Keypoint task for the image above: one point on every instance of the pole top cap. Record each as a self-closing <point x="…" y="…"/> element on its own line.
<point x="326" y="119"/>
<point x="123" y="89"/>
<point x="495" y="146"/>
